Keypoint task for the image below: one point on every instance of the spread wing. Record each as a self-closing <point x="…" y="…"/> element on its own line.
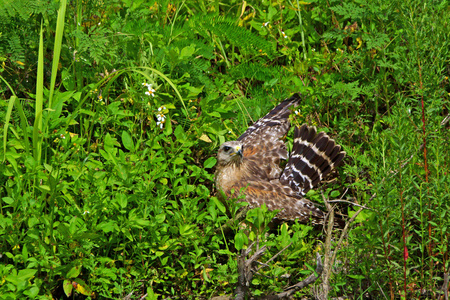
<point x="262" y="141"/>
<point x="282" y="198"/>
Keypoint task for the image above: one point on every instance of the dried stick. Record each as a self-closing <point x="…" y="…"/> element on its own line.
<point x="246" y="274"/>
<point x="288" y="292"/>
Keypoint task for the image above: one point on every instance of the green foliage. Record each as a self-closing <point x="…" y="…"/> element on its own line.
<point x="107" y="184"/>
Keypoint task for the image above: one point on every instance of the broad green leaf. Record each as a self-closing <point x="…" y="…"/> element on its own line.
<point x="180" y="134"/>
<point x="68" y="287"/>
<point x="122" y="200"/>
<point x="74" y="272"/>
<point x="240" y="239"/>
<point x="210" y="162"/>
<point x="127" y="141"/>
<point x="160" y="218"/>
<point x="334" y="194"/>
<point x="8" y="200"/>
<point x="179" y="161"/>
<point x="186" y="230"/>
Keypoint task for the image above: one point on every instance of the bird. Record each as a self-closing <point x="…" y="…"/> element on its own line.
<point x="249" y="170"/>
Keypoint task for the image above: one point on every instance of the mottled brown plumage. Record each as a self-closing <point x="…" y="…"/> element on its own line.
<point x="251" y="165"/>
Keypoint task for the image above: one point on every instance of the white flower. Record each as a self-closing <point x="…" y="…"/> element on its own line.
<point x="284" y="34"/>
<point x="85" y="212"/>
<point x="265" y="24"/>
<point x="149" y="86"/>
<point x="297" y="112"/>
<point x="151" y="92"/>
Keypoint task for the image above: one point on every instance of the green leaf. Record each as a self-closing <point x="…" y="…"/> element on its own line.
<point x="37" y="126"/>
<point x="74" y="272"/>
<point x="180" y="134"/>
<point x="240" y="239"/>
<point x="164" y="260"/>
<point x="23" y="276"/>
<point x="122" y="200"/>
<point x="57" y="47"/>
<point x="334" y="194"/>
<point x="186" y="230"/>
<point x="127" y="141"/>
<point x="68" y="287"/>
<point x="8" y="200"/>
<point x="219" y="204"/>
<point x="160" y="218"/>
<point x="187" y="52"/>
<point x="179" y="161"/>
<point x="209" y="163"/>
<point x="107" y="226"/>
<point x="110" y="143"/>
<point x="358" y="277"/>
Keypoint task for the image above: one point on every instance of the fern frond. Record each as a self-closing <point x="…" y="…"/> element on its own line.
<point x="10" y="9"/>
<point x="16" y="48"/>
<point x="256" y="71"/>
<point x="238" y="36"/>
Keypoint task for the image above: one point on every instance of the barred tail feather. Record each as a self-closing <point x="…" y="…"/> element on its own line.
<point x="313" y="157"/>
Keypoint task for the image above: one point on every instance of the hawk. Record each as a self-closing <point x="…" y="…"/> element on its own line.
<point x="250" y="166"/>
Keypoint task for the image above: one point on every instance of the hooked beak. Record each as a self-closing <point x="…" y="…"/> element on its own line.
<point x="238" y="150"/>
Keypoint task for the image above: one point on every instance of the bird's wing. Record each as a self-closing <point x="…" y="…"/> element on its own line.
<point x="277" y="197"/>
<point x="262" y="141"/>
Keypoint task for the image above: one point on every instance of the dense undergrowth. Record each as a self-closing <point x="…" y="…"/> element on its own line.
<point x="112" y="112"/>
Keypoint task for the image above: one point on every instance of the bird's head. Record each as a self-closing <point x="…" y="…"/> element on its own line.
<point x="230" y="152"/>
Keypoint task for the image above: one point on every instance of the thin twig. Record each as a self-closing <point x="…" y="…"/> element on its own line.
<point x="256" y="256"/>
<point x="310" y="279"/>
<point x="352" y="203"/>
<point x="382" y="291"/>
<point x="445" y="285"/>
<point x="273" y="257"/>
<point x="446" y="119"/>
<point x="328" y="262"/>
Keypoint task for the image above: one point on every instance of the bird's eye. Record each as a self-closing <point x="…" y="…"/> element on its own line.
<point x="226" y="148"/>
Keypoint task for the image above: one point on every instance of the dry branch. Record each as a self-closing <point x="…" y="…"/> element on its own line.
<point x="246" y="273"/>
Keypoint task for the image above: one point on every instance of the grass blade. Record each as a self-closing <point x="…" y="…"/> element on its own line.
<point x="5" y="127"/>
<point x="57" y="48"/>
<point x="37" y="128"/>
